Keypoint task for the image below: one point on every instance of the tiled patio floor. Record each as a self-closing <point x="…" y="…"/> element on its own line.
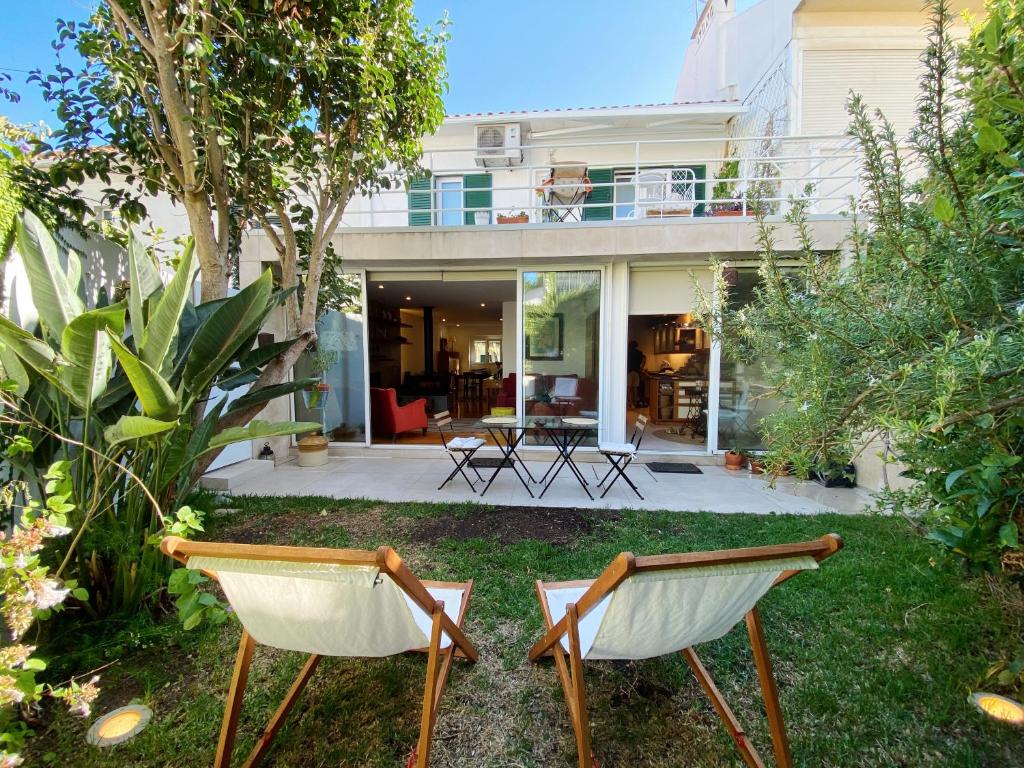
<point x="391" y="478"/>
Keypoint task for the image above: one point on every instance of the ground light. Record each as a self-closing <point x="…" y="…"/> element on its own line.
<point x="999" y="707"/>
<point x="119" y="725"/>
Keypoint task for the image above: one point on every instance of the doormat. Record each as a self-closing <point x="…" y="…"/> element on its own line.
<point x="489" y="463"/>
<point x="673" y="468"/>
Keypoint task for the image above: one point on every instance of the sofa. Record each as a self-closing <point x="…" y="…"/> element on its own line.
<point x="389" y="419"/>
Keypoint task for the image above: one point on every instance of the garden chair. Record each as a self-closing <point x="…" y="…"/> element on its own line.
<point x="460" y="449"/>
<point x="330" y="602"/>
<point x="642" y="607"/>
<point x="621" y="455"/>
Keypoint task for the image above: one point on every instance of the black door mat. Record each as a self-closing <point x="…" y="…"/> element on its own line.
<point x="490" y="463"/>
<point x="673" y="468"/>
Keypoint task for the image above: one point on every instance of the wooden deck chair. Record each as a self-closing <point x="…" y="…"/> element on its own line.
<point x="642" y="607"/>
<point x="330" y="602"/>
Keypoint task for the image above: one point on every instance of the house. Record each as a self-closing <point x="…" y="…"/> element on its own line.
<point x="553" y="261"/>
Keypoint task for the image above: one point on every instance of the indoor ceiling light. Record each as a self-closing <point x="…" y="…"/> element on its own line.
<point x="119" y="725"/>
<point x="408" y="298"/>
<point x="380" y="286"/>
<point x="999" y="707"/>
<point x="482" y="304"/>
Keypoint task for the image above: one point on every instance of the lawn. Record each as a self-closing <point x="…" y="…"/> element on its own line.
<point x="875" y="653"/>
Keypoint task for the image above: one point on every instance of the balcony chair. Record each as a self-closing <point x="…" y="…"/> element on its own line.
<point x="330" y="602"/>
<point x="391" y="419"/>
<point x="565" y="192"/>
<point x="643" y="607"/>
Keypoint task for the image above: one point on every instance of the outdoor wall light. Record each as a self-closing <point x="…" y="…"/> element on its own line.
<point x="381" y="286"/>
<point x="482" y="304"/>
<point x="999" y="707"/>
<point x="119" y="725"/>
<point x="408" y="298"/>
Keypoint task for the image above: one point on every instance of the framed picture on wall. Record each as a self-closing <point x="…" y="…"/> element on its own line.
<point x="544" y="340"/>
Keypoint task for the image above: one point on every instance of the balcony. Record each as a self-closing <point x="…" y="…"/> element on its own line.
<point x="616" y="182"/>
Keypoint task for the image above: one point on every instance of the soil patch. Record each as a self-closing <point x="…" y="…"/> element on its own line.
<point x="283" y="528"/>
<point x="555" y="525"/>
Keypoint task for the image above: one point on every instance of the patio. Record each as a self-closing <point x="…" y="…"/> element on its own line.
<point x="395" y="478"/>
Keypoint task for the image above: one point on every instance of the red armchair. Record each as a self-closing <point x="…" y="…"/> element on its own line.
<point x="391" y="419"/>
<point x="507" y="394"/>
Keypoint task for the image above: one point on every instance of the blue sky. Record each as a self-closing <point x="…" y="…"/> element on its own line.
<point x="540" y="54"/>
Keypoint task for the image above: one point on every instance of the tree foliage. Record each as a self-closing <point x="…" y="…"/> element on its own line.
<point x="248" y="110"/>
<point x="916" y="333"/>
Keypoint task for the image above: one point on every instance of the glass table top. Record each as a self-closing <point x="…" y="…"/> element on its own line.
<point x="536" y="422"/>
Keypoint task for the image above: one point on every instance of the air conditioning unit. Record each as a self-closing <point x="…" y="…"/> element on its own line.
<point x="498" y="146"/>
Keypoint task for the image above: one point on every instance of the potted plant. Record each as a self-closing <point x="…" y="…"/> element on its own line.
<point x="513" y="217"/>
<point x="756" y="465"/>
<point x="321" y="362"/>
<point x="835" y="474"/>
<point x="725" y="190"/>
<point x="734" y="459"/>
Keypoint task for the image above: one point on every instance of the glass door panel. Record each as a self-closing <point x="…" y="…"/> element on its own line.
<point x="561" y="343"/>
<point x="339" y="402"/>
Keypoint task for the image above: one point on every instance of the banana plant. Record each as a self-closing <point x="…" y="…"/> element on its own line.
<point x="123" y="392"/>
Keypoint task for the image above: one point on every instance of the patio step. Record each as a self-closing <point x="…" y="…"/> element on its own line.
<point x="581" y="456"/>
<point x="230" y="477"/>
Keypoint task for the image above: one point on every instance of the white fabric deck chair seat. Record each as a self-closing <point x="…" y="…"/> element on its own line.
<point x="326" y="609"/>
<point x="643" y="607"/>
<point x="659" y="612"/>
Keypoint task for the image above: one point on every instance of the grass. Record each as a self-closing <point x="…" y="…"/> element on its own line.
<point x="875" y="653"/>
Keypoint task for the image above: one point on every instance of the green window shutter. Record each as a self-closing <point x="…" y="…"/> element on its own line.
<point x="420" y="193"/>
<point x="600" y="196"/>
<point x="476" y="193"/>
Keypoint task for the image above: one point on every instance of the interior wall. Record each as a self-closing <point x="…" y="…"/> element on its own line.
<point x="412" y="353"/>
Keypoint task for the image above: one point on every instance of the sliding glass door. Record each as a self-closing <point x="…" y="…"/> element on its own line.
<point x="561" y="343"/>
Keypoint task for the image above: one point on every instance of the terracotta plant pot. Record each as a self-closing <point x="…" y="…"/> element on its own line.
<point x="727" y="213"/>
<point x="734" y="461"/>
<point x="756" y="467"/>
<point x="513" y="219"/>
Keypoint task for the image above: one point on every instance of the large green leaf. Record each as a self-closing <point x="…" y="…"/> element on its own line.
<point x="257" y="430"/>
<point x="266" y="394"/>
<point x="156" y="396"/>
<point x="143" y="282"/>
<point x="85" y="344"/>
<point x="35" y="353"/>
<point x="13" y="369"/>
<point x="158" y="345"/>
<point x="52" y="295"/>
<point x="226" y="330"/>
<point x="135" y="428"/>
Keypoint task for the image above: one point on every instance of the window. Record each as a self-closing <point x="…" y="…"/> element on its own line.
<point x="662" y="192"/>
<point x="448" y="201"/>
<point x="486" y="350"/>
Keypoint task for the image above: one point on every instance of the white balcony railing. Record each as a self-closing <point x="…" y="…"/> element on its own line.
<point x="623" y="181"/>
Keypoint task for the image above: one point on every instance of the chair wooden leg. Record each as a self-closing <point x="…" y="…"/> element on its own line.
<point x="233" y="705"/>
<point x="780" y="742"/>
<point x="750" y="755"/>
<point x="430" y="690"/>
<point x="263" y="743"/>
<point x="579" y="693"/>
